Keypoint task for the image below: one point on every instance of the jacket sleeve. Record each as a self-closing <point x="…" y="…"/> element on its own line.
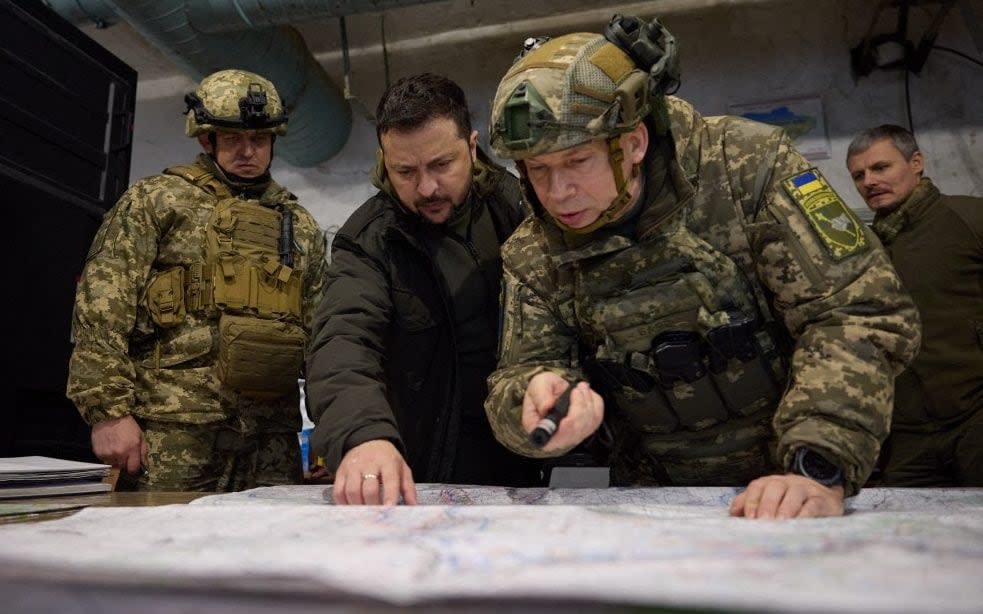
<point x="534" y="339"/>
<point x="314" y="277"/>
<point x="100" y="372"/>
<point x="346" y="388"/>
<point x="854" y="327"/>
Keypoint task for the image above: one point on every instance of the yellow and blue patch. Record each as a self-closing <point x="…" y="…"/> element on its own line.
<point x="833" y="222"/>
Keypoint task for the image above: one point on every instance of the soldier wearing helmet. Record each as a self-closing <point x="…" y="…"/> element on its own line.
<point x="194" y="308"/>
<point x="721" y="315"/>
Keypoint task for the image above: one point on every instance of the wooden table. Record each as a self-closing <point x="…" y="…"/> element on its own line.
<point x="119" y="499"/>
<point x="37" y="509"/>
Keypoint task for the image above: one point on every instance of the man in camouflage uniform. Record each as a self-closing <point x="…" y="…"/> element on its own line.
<point x="194" y="307"/>
<point x="733" y="320"/>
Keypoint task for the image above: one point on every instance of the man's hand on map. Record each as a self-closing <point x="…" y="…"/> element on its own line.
<point x="584" y="415"/>
<point x="787" y="496"/>
<point x="372" y="473"/>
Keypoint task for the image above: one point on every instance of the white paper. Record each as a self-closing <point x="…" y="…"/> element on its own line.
<point x="899" y="551"/>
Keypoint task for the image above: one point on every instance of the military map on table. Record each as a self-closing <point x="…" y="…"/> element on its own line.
<point x="898" y="551"/>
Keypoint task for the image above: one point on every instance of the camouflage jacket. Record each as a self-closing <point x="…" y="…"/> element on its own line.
<point x="122" y="363"/>
<point x="853" y="326"/>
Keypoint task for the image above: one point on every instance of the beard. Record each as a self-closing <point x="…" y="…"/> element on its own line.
<point x="442" y="206"/>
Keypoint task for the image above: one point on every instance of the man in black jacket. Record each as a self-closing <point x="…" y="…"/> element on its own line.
<point x="407" y="333"/>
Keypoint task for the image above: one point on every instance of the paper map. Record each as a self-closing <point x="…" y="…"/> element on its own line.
<point x="898" y="551"/>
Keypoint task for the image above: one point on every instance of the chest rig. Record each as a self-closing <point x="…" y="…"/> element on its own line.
<point x="673" y="337"/>
<point x="248" y="283"/>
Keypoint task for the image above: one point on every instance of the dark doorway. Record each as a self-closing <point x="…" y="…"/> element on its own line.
<point x="65" y="141"/>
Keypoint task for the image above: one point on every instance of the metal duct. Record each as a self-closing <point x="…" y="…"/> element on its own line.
<point x="320" y="117"/>
<point x="100" y="12"/>
<point x="219" y="16"/>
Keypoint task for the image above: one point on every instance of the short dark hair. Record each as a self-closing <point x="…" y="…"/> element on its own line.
<point x="413" y="101"/>
<point x="903" y="140"/>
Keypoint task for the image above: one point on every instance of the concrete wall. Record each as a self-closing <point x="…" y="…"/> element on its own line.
<point x="731" y="53"/>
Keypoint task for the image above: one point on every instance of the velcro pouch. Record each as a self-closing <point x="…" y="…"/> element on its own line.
<point x="165" y="298"/>
<point x="258" y="357"/>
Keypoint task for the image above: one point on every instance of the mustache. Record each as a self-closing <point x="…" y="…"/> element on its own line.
<point x="431" y="200"/>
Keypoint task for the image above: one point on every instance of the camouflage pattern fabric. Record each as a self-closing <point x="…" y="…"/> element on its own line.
<point x="575" y="97"/>
<point x="220" y="94"/>
<point x="854" y="328"/>
<point x="122" y="364"/>
<point x="219" y="457"/>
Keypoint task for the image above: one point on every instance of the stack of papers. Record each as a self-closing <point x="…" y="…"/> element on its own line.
<point x="40" y="476"/>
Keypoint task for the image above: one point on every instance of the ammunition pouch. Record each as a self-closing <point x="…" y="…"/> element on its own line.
<point x="688" y="381"/>
<point x="260" y="358"/>
<point x="261" y="345"/>
<point x="271" y="290"/>
<point x="634" y="394"/>
<point x="247" y="275"/>
<point x="683" y="351"/>
<point x="247" y="282"/>
<point x="198" y="287"/>
<point x="165" y="298"/>
<point x="742" y="358"/>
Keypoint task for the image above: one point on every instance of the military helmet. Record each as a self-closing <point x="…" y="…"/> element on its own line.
<point x="570" y="90"/>
<point x="573" y="89"/>
<point x="235" y="100"/>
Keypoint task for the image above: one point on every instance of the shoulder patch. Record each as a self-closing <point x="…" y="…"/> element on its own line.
<point x="832" y="221"/>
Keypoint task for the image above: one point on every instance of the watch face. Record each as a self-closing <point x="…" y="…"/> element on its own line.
<point x="812" y="464"/>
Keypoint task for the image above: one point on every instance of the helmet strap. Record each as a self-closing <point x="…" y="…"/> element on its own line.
<point x="616" y="158"/>
<point x="265" y="177"/>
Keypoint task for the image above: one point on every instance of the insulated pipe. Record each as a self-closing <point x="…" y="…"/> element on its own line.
<point x="99" y="12"/>
<point x="219" y="16"/>
<point x="320" y="117"/>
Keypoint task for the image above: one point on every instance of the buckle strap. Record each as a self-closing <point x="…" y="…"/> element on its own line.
<point x="198" y="287"/>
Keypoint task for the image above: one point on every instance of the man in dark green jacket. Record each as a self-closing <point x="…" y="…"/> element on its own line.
<point x="936" y="244"/>
<point x="407" y="333"/>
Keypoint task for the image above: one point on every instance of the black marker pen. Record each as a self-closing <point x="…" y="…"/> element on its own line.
<point x="551" y="421"/>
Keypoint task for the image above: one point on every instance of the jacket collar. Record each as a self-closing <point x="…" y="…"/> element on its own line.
<point x="265" y="190"/>
<point x="888" y="225"/>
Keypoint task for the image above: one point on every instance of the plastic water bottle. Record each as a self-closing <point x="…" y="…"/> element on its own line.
<point x="304" y="436"/>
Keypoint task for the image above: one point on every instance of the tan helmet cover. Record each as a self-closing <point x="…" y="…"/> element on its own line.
<point x="568" y="91"/>
<point x="235" y="100"/>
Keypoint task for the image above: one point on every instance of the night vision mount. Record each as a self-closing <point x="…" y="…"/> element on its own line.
<point x="650" y="46"/>
<point x="252" y="111"/>
<point x="252" y="106"/>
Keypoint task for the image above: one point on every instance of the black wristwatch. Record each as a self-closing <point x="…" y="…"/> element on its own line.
<point x="813" y="465"/>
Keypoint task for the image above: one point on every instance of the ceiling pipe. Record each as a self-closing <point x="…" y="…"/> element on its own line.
<point x="208" y="35"/>
<point x="98" y="12"/>
<point x="218" y="16"/>
<point x="320" y="118"/>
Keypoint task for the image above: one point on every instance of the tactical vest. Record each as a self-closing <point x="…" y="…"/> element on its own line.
<point x="675" y="341"/>
<point x="248" y="283"/>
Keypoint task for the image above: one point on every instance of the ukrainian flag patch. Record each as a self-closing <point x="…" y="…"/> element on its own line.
<point x="833" y="222"/>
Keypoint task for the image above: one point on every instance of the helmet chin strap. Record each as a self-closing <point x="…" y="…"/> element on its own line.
<point x="621" y="202"/>
<point x="261" y="178"/>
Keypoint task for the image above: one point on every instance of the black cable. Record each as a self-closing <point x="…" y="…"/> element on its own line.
<point x="385" y="52"/>
<point x="907" y="100"/>
<point x="959" y="53"/>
